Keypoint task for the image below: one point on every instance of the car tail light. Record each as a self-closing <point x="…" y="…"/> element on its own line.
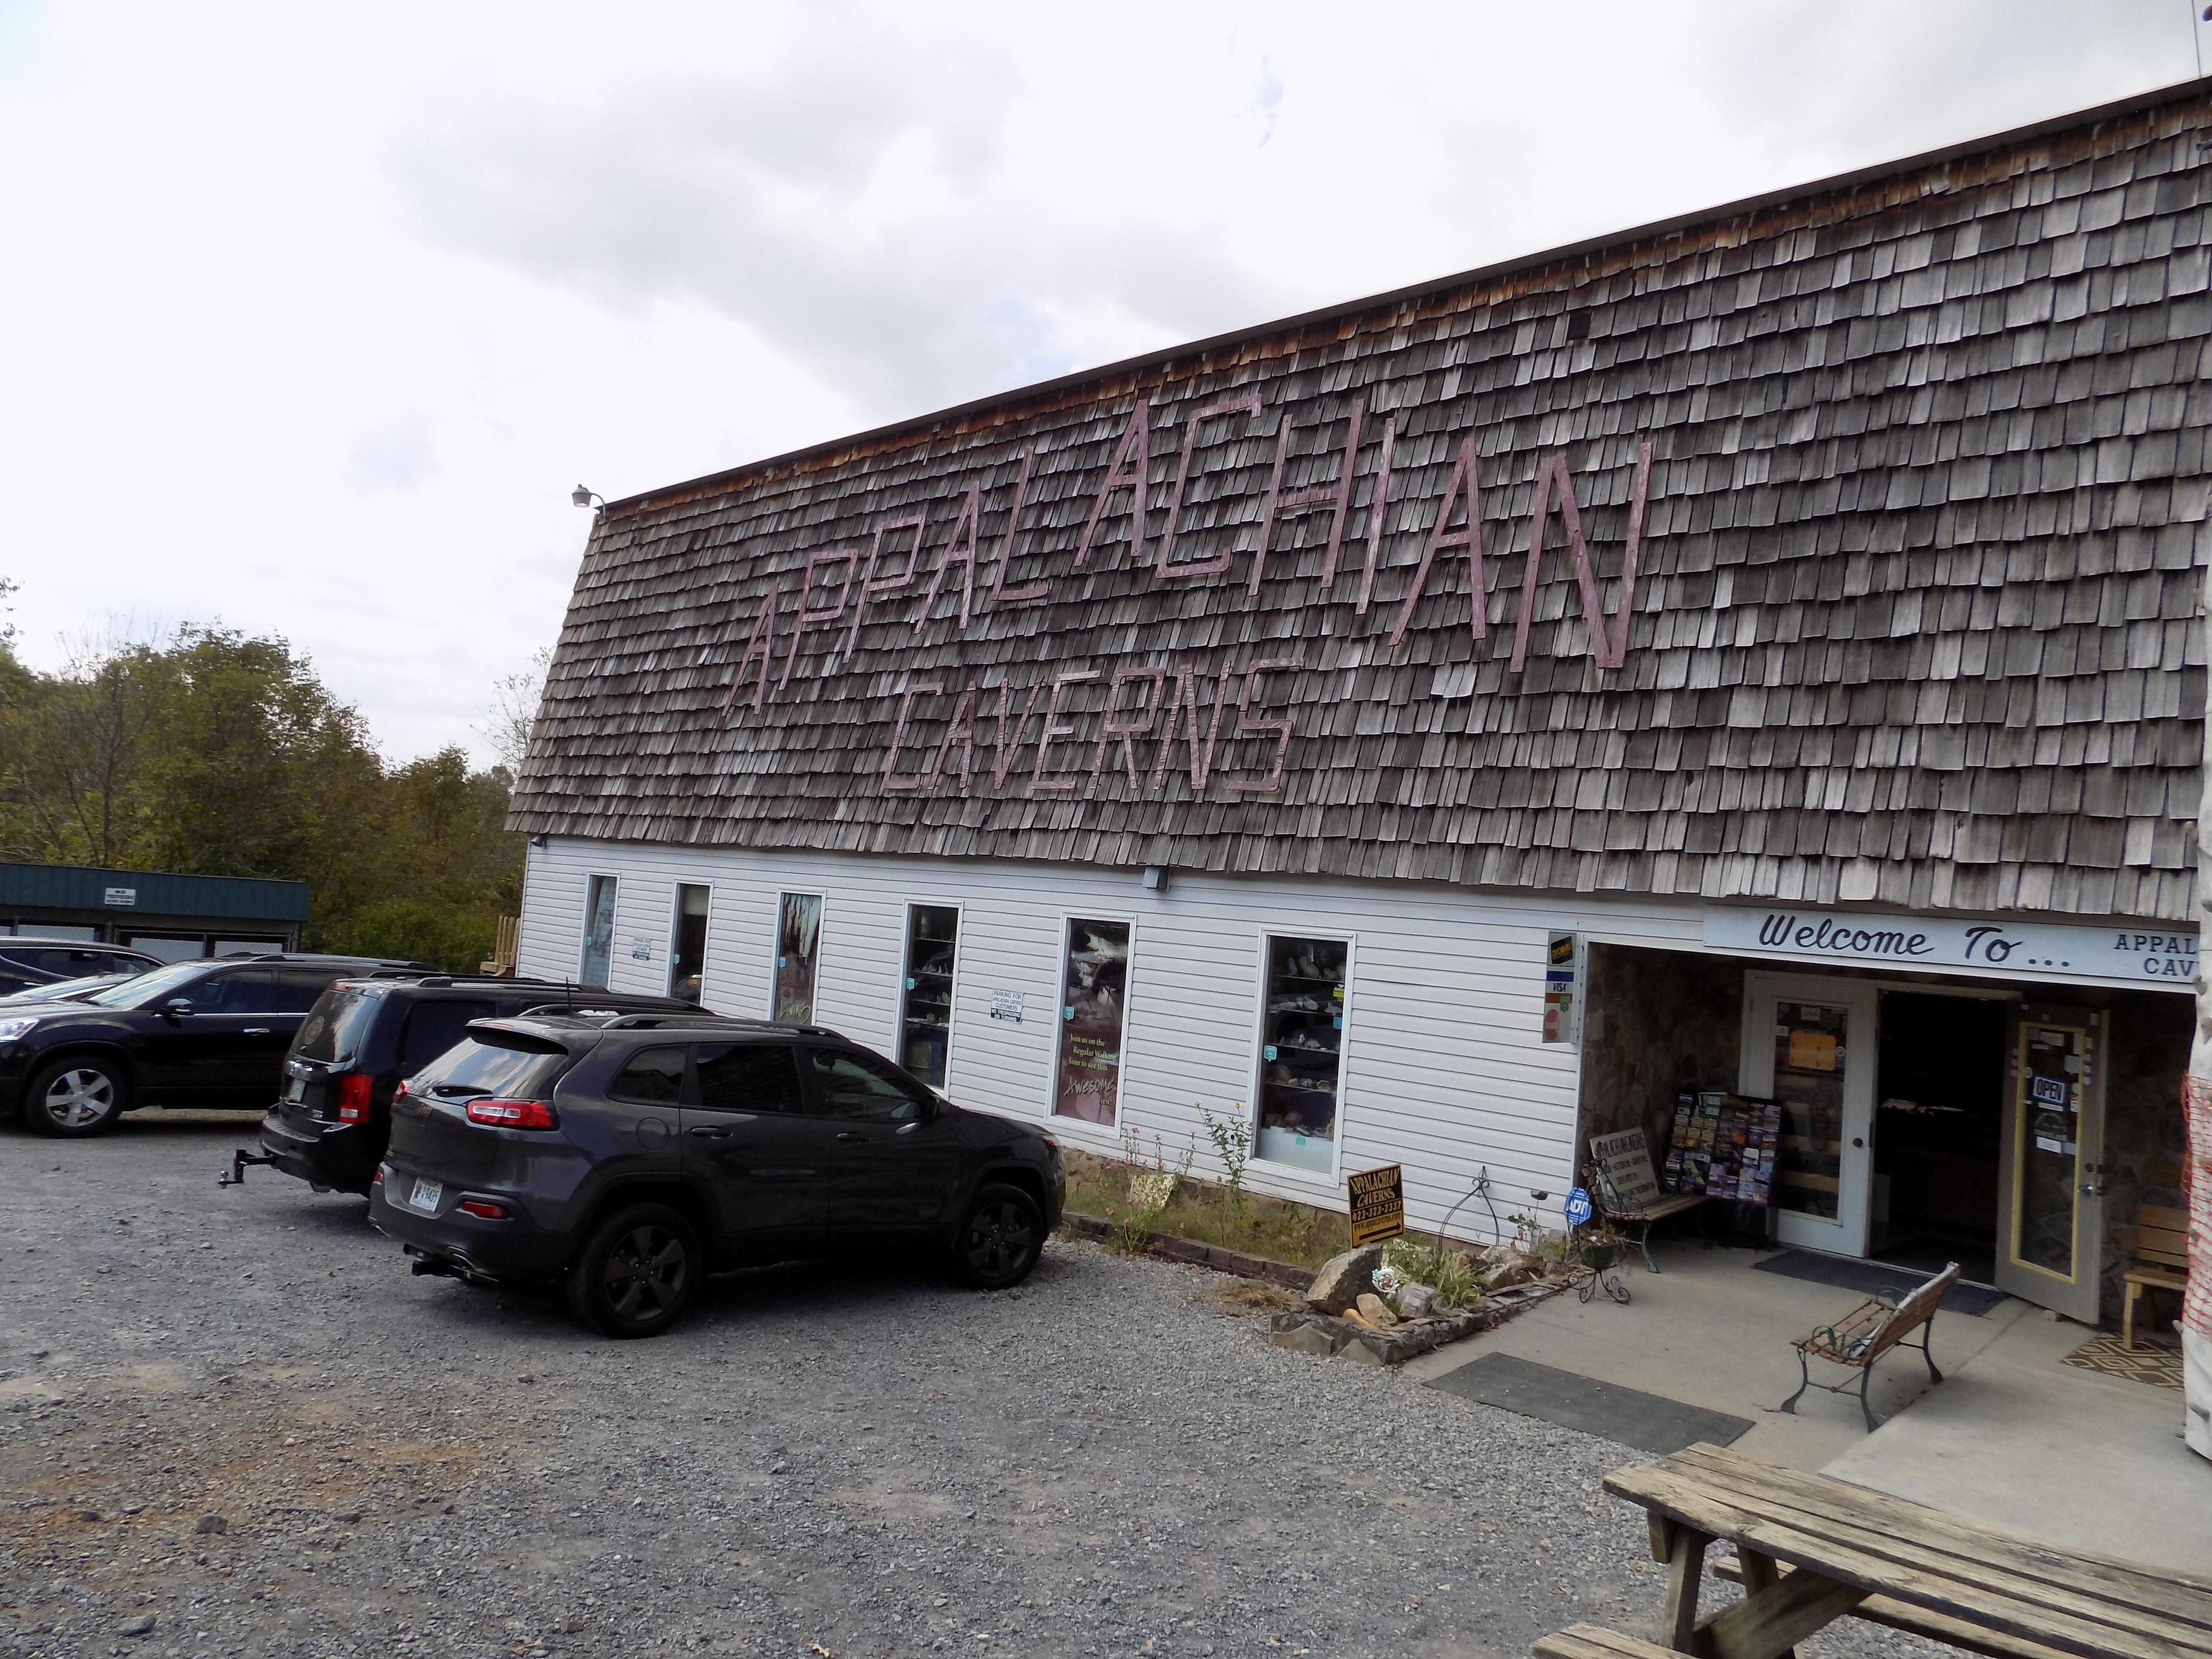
<point x="377" y="1180"/>
<point x="353" y="1091"/>
<point x="512" y="1113"/>
<point x="483" y="1208"/>
<point x="406" y="1087"/>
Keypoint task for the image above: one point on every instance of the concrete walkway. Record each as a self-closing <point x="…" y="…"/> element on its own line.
<point x="2021" y="1440"/>
<point x="2014" y="1437"/>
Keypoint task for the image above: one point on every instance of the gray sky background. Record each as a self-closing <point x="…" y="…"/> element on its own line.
<point x="310" y="317"/>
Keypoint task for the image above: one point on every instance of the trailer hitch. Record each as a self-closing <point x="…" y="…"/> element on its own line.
<point x="235" y="1175"/>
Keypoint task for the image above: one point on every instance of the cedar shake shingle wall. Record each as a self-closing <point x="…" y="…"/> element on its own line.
<point x="1916" y="624"/>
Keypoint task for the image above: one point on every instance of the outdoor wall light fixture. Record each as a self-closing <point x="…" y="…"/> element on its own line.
<point x="537" y="840"/>
<point x="1156" y="878"/>
<point x="584" y="497"/>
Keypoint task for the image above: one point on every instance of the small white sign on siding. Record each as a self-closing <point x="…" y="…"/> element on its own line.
<point x="641" y="947"/>
<point x="119" y="897"/>
<point x="1006" y="1005"/>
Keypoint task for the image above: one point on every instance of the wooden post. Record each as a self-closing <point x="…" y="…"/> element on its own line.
<point x="1685" y="1567"/>
<point x="2197" y="1161"/>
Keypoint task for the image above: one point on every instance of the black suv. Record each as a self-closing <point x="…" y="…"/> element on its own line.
<point x="25" y="963"/>
<point x="330" y="1124"/>
<point x="626" y="1158"/>
<point x="208" y="1034"/>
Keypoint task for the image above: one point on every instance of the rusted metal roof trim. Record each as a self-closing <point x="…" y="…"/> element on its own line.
<point x="2138" y="104"/>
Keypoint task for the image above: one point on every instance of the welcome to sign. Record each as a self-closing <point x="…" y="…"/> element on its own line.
<point x="2160" y="959"/>
<point x="808" y="623"/>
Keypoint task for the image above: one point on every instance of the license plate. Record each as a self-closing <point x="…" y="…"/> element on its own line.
<point x="426" y="1196"/>
<point x="295" y="1088"/>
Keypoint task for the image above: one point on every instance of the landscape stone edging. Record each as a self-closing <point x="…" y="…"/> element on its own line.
<point x="1325" y="1335"/>
<point x="1218" y="1257"/>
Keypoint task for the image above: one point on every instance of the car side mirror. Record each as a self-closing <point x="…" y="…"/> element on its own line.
<point x="176" y="1005"/>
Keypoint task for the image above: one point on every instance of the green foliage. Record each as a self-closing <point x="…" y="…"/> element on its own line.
<point x="215" y="753"/>
<point x="1451" y="1275"/>
<point x="1232" y="1143"/>
<point x="455" y="940"/>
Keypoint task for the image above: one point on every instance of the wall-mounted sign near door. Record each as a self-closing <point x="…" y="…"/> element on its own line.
<point x="2158" y="958"/>
<point x="1378" y="1204"/>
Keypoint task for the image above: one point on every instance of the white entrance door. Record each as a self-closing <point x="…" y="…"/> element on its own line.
<point x="1809" y="1044"/>
<point x="2050" y="1225"/>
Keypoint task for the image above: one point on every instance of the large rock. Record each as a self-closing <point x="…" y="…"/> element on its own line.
<point x="1342" y="1277"/>
<point x="1375" y="1311"/>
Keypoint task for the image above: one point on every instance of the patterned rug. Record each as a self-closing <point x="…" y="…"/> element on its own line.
<point x="2152" y="1362"/>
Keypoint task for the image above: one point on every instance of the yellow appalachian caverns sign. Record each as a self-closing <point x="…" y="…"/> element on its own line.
<point x="1378" y="1204"/>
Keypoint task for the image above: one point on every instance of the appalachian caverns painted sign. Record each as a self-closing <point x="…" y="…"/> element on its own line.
<point x="1150" y="708"/>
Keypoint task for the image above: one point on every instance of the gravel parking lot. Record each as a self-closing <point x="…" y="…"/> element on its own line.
<point x="232" y="1423"/>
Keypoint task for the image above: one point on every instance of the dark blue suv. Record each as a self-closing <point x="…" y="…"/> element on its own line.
<point x="626" y="1156"/>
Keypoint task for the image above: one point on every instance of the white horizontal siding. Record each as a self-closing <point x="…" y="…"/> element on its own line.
<point x="1443" y="1071"/>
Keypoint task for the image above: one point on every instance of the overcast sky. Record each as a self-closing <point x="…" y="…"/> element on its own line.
<point x="311" y="317"/>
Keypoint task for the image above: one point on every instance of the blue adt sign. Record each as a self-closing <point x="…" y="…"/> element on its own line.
<point x="1578" y="1208"/>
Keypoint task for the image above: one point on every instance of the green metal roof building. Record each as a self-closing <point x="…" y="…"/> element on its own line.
<point x="166" y="914"/>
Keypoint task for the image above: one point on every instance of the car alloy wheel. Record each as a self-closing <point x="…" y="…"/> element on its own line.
<point x="636" y="1272"/>
<point x="646" y="1275"/>
<point x="76" y="1098"/>
<point x="1001" y="1238"/>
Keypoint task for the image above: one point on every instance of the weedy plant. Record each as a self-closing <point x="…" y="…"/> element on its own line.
<point x="1151" y="1188"/>
<point x="1451" y="1276"/>
<point x="1232" y="1144"/>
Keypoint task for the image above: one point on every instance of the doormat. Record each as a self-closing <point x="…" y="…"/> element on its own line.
<point x="1645" y="1421"/>
<point x="1871" y="1279"/>
<point x="2147" y="1362"/>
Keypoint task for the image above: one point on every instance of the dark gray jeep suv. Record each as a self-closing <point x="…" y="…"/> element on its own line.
<point x="626" y="1156"/>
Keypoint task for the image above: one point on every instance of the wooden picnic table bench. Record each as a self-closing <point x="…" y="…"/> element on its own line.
<point x="1812" y="1550"/>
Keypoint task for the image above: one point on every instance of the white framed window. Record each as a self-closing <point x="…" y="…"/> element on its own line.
<point x="598" y="932"/>
<point x="1093" y="1009"/>
<point x="926" y="986"/>
<point x="798" y="957"/>
<point x="687" y="941"/>
<point x="1305" y="985"/>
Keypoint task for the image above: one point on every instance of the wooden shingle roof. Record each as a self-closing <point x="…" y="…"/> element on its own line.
<point x="1920" y="457"/>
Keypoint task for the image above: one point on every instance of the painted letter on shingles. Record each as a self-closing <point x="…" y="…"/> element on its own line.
<point x="891" y="779"/>
<point x="1125" y="728"/>
<point x="1006" y="735"/>
<point x="1247" y="727"/>
<point x="962" y="731"/>
<point x="1464" y="489"/>
<point x="1130" y="470"/>
<point x="1182" y="704"/>
<point x="1052" y="729"/>
<point x="809" y="618"/>
<point x="761" y="647"/>
<point x="959" y="552"/>
<point x="1248" y="404"/>
<point x="1001" y="594"/>
<point x="872" y="585"/>
<point x="1336" y="496"/>
<point x="1379" y="508"/>
<point x="1609" y="646"/>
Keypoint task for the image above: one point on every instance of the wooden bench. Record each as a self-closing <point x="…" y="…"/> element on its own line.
<point x="2161" y="1262"/>
<point x="1636" y="1220"/>
<point x="1867" y="1332"/>
<point x="1812" y="1550"/>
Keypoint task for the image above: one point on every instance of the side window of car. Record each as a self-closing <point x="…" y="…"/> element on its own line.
<point x="297" y="988"/>
<point x="851" y="1085"/>
<point x="654" y="1076"/>
<point x="245" y="991"/>
<point x="748" y="1077"/>
<point x="433" y="1027"/>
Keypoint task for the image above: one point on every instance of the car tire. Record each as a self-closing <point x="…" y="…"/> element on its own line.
<point x="999" y="1239"/>
<point x="76" y="1095"/>
<point x="636" y="1272"/>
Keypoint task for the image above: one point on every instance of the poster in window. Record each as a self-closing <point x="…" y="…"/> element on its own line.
<point x="1093" y="996"/>
<point x="798" y="943"/>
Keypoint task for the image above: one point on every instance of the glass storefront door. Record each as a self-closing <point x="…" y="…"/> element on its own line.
<point x="1809" y="1044"/>
<point x="2050" y="1231"/>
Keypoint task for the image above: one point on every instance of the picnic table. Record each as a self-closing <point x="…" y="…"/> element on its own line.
<point x="1811" y="1550"/>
